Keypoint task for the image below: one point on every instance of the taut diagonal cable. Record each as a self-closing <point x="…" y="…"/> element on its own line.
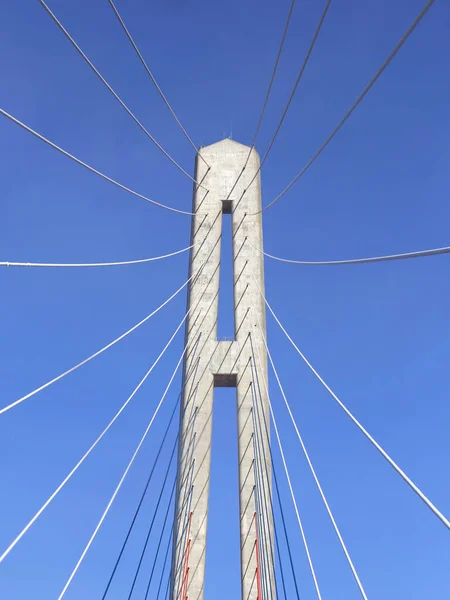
<point x="89" y="167"/>
<point x="144" y="492"/>
<point x="357" y="101"/>
<point x="122" y="479"/>
<point x="84" y="457"/>
<point x="259" y="441"/>
<point x="314" y="474"/>
<point x="155" y="83"/>
<point x="266" y="99"/>
<point x="275" y="478"/>
<point x="89" y="358"/>
<point x="100" y="264"/>
<point x="358" y="261"/>
<point x="102" y="518"/>
<point x="192" y="277"/>
<point x="165" y="561"/>
<point x="116" y="96"/>
<point x="158" y="549"/>
<point x="136" y="575"/>
<point x="91" y="448"/>
<point x="155" y="512"/>
<point x="372" y="440"/>
<point x="288" y="478"/>
<point x="291" y="97"/>
<point x="260" y="521"/>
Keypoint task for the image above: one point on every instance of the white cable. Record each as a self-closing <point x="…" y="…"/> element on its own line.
<point x="86" y="166"/>
<point x="83" y="458"/>
<point x="316" y="479"/>
<point x="354" y="261"/>
<point x="89" y="358"/>
<point x="155" y="83"/>
<point x="356" y="103"/>
<point x="288" y="477"/>
<point x="102" y="264"/>
<point x="86" y="454"/>
<point x="122" y="479"/>
<point x="116" y="96"/>
<point x="291" y="97"/>
<point x="266" y="99"/>
<point x="393" y="464"/>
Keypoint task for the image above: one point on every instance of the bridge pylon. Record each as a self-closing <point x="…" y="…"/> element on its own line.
<point x="212" y="363"/>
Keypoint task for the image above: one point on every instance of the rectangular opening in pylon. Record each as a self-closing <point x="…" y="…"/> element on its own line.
<point x="225" y="322"/>
<point x="227" y="206"/>
<point x="222" y="570"/>
<point x="225" y="380"/>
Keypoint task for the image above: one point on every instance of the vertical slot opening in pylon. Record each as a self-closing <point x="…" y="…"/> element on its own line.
<point x="222" y="570"/>
<point x="225" y="321"/>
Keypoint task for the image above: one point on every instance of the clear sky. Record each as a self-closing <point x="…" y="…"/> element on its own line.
<point x="379" y="334"/>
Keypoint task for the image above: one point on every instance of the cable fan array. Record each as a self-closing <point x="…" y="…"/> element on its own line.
<point x="163" y="511"/>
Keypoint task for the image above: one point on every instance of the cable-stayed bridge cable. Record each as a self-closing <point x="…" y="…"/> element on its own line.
<point x="158" y="548"/>
<point x="266" y="525"/>
<point x="316" y="479"/>
<point x="291" y="97"/>
<point x="188" y="516"/>
<point x="274" y="72"/>
<point x="138" y="507"/>
<point x="256" y="393"/>
<point x="166" y="595"/>
<point x="166" y="556"/>
<point x="116" y="96"/>
<point x="91" y="448"/>
<point x="89" y="167"/>
<point x="144" y="493"/>
<point x="356" y="103"/>
<point x="380" y="449"/>
<point x="150" y="529"/>
<point x="278" y="494"/>
<point x="155" y="83"/>
<point x="162" y="534"/>
<point x="89" y="358"/>
<point x="285" y="535"/>
<point x="192" y="277"/>
<point x="100" y="264"/>
<point x="186" y="503"/>
<point x="169" y="544"/>
<point x="261" y="511"/>
<point x="83" y="458"/>
<point x="291" y="489"/>
<point x="154" y="515"/>
<point x="122" y="479"/>
<point x="184" y="510"/>
<point x="266" y="99"/>
<point x="355" y="261"/>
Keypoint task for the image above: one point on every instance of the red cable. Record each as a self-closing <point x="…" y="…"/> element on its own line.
<point x="182" y="587"/>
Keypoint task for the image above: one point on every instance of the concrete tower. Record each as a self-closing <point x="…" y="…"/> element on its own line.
<point x="213" y="363"/>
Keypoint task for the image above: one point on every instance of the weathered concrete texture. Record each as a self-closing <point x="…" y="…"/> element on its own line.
<point x="211" y="363"/>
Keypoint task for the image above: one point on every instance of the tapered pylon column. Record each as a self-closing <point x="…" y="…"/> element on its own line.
<point x="211" y="363"/>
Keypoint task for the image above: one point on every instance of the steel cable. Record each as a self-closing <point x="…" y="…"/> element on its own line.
<point x="100" y="264"/>
<point x="89" y="167"/>
<point x="116" y="96"/>
<point x="356" y="103"/>
<point x="155" y="83"/>
<point x="372" y="440"/>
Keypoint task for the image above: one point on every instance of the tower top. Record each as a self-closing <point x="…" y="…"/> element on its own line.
<point x="226" y="143"/>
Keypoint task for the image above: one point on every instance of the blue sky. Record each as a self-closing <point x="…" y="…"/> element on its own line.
<point x="379" y="334"/>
